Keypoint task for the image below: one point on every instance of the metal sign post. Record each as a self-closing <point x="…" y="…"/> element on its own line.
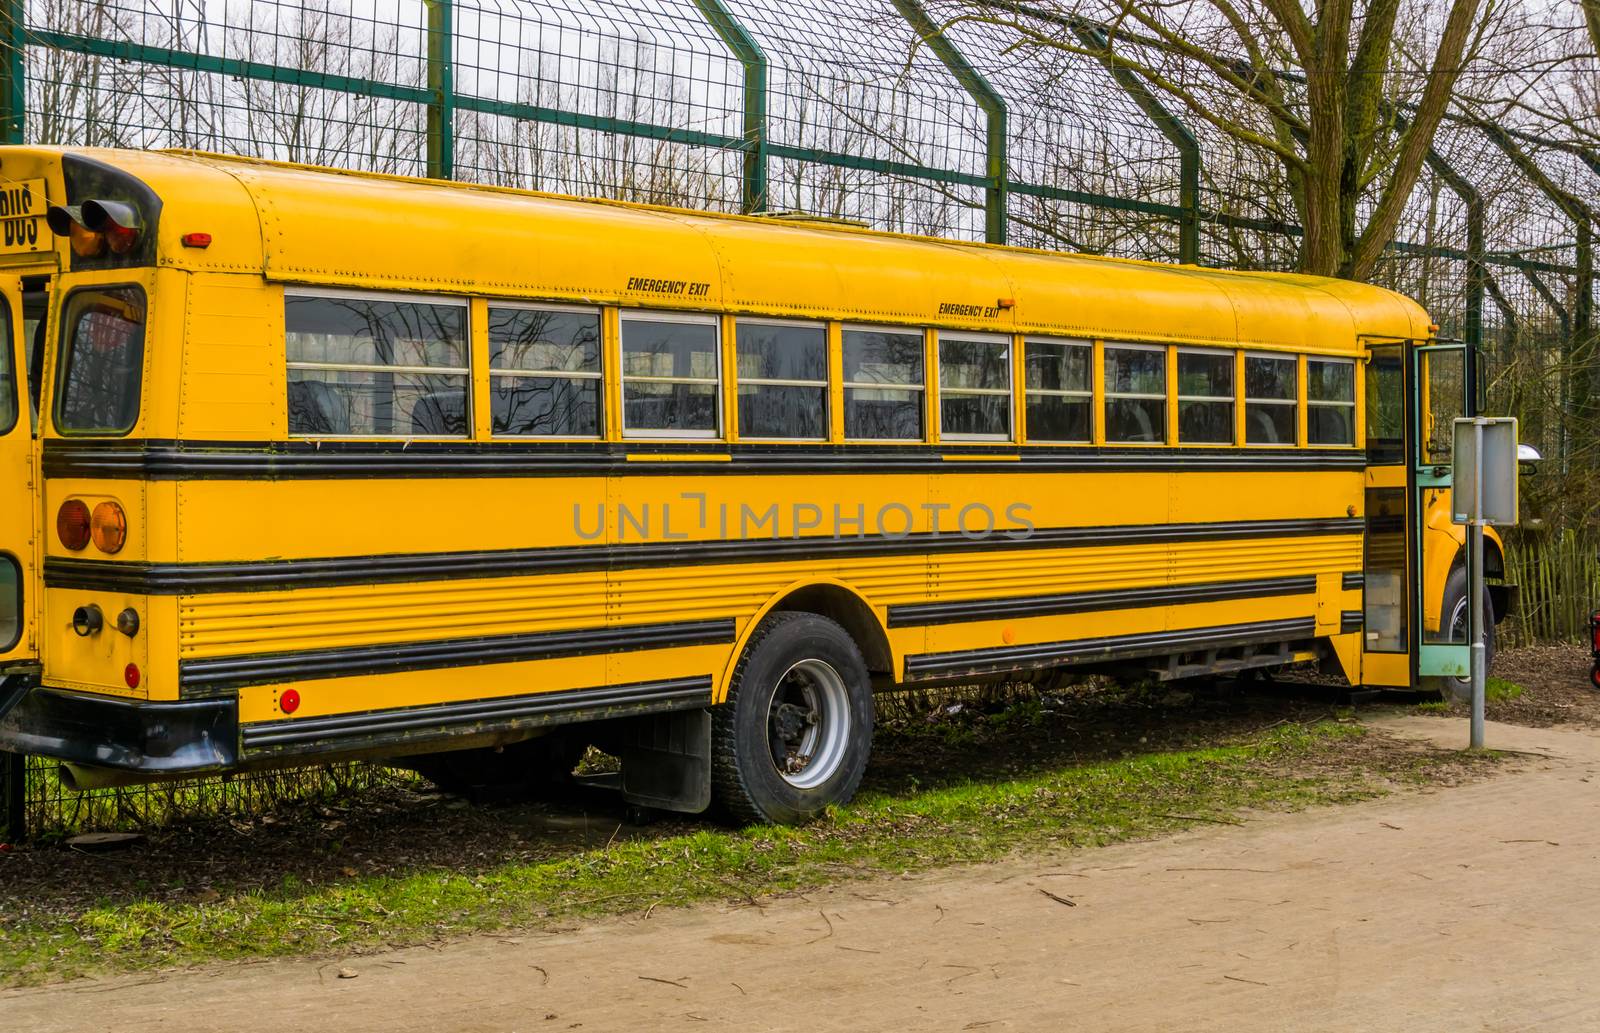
<point x="1483" y="493"/>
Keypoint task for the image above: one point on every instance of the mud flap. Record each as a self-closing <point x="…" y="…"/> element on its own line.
<point x="666" y="761"/>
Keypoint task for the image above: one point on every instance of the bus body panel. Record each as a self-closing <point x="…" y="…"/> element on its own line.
<point x="467" y="591"/>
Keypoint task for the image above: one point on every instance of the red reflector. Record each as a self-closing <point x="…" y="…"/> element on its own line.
<point x="200" y="240"/>
<point x="1594" y="676"/>
<point x="289" y="702"/>
<point x="72" y="524"/>
<point x="130" y="674"/>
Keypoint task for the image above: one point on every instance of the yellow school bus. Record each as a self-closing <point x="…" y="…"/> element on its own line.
<point x="303" y="465"/>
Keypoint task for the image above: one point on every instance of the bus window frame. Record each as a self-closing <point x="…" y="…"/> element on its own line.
<point x="1009" y="392"/>
<point x="651" y="315"/>
<point x="1294" y="405"/>
<point x="61" y="361"/>
<point x="735" y="381"/>
<point x="1354" y="405"/>
<point x="599" y="375"/>
<point x="1087" y="344"/>
<point x="1165" y="398"/>
<point x="1176" y="391"/>
<point x="8" y="366"/>
<point x="399" y="297"/>
<point x="928" y="419"/>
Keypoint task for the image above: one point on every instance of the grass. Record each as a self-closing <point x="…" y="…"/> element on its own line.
<point x="1498" y="690"/>
<point x="1289" y="767"/>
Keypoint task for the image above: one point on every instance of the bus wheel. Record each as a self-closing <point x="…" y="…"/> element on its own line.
<point x="796" y="730"/>
<point x="519" y="769"/>
<point x="1453" y="628"/>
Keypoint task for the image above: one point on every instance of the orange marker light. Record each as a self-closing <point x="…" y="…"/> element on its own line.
<point x="72" y="524"/>
<point x="109" y="528"/>
<point x="86" y="243"/>
<point x="199" y="240"/>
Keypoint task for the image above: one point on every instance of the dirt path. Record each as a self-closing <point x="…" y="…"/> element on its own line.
<point x="1475" y="908"/>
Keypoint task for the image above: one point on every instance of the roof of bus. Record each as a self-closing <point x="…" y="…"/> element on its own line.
<point x="302" y="224"/>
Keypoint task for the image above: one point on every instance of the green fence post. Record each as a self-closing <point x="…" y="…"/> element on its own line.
<point x="1171" y="126"/>
<point x="754" y="60"/>
<point x="997" y="167"/>
<point x="13" y="71"/>
<point x="442" y="90"/>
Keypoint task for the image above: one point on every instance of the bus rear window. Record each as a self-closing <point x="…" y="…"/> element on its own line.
<point x="102" y="361"/>
<point x="8" y="377"/>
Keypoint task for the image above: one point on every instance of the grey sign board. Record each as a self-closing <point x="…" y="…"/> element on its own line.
<point x="1484" y="478"/>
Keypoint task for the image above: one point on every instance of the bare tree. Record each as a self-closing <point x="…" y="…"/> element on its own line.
<point x="1345" y="97"/>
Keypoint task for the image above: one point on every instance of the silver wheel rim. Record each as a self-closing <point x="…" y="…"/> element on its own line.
<point x="808" y="723"/>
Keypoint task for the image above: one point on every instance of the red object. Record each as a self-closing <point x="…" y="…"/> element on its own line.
<point x="130" y="674"/>
<point x="121" y="238"/>
<point x="289" y="702"/>
<point x="199" y="240"/>
<point x="72" y="524"/>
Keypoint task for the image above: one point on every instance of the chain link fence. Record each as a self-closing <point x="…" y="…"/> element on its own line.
<point x="853" y="109"/>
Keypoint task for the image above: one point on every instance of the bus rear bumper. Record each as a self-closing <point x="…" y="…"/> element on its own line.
<point x="154" y="740"/>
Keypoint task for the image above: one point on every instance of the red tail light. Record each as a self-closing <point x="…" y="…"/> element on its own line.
<point x="73" y="524"/>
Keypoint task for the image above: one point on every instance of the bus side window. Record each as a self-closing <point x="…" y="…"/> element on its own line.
<point x="1136" y="393"/>
<point x="376" y="367"/>
<point x="670" y="375"/>
<point x="1205" y="397"/>
<point x="883" y="384"/>
<point x="1331" y="401"/>
<point x="1057" y="391"/>
<point x="544" y="371"/>
<point x="1271" y="399"/>
<point x="783" y="380"/>
<point x="974" y="387"/>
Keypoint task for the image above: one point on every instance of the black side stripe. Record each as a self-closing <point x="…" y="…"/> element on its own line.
<point x="1351" y="620"/>
<point x="148" y="459"/>
<point x="1086" y="602"/>
<point x="345" y="733"/>
<point x="286" y="575"/>
<point x="972" y="662"/>
<point x="211" y="676"/>
<point x="1354" y="581"/>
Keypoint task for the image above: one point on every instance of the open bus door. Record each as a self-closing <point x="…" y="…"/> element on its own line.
<point x="1414" y="391"/>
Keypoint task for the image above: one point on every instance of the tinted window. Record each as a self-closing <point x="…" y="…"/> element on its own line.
<point x="1330" y="401"/>
<point x="1385" y="407"/>
<point x="974" y="387"/>
<point x="1271" y="395"/>
<point x="783" y="380"/>
<point x="544" y="372"/>
<point x="883" y="384"/>
<point x="1205" y="397"/>
<point x="1057" y="390"/>
<point x="103" y="361"/>
<point x="370" y="367"/>
<point x="1136" y="401"/>
<point x="669" y="376"/>
<point x="10" y="603"/>
<point x="8" y="383"/>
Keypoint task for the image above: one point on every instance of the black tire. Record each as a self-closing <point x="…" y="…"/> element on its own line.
<point x="1453" y="628"/>
<point x="520" y="769"/>
<point x="784" y="702"/>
